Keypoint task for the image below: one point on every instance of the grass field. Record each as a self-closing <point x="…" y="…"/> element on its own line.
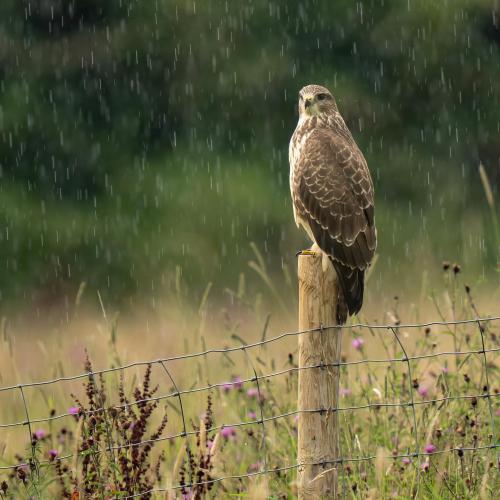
<point x="456" y="414"/>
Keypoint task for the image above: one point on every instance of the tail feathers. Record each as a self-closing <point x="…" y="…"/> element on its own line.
<point x="352" y="284"/>
<point x="342" y="310"/>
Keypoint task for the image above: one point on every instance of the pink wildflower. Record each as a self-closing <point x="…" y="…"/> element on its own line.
<point x="406" y="460"/>
<point x="227" y="386"/>
<point x="357" y="343"/>
<point x="53" y="454"/>
<point x="228" y="432"/>
<point x="39" y="434"/>
<point x="430" y="448"/>
<point x="344" y="391"/>
<point x="253" y="392"/>
<point x="424" y="466"/>
<point x="252" y="415"/>
<point x="423" y="391"/>
<point x="74" y="410"/>
<point x="237" y="383"/>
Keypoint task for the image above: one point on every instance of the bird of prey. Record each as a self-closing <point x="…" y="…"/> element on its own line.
<point x="332" y="194"/>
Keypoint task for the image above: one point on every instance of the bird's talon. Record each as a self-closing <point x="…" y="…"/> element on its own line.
<point x="305" y="252"/>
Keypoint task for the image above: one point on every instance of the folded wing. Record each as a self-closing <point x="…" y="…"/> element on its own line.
<point x="333" y="194"/>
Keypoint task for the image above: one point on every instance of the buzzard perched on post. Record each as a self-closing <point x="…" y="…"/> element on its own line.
<point x="332" y="193"/>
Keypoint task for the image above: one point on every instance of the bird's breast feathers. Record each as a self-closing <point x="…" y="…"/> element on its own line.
<point x="299" y="139"/>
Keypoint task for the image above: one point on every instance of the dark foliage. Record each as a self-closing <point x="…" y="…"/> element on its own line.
<point x="115" y="443"/>
<point x="118" y="117"/>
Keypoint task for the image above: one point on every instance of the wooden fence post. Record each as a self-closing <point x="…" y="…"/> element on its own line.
<point x="318" y="432"/>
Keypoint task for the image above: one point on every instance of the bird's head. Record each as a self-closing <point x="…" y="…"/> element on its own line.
<point x="316" y="100"/>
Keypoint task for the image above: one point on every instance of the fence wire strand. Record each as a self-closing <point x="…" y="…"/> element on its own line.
<point x="250" y="346"/>
<point x="33" y="463"/>
<point x="209" y="387"/>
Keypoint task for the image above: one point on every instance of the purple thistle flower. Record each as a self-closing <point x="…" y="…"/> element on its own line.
<point x="406" y="460"/>
<point x="237" y="382"/>
<point x="53" y="454"/>
<point x="357" y="343"/>
<point x="254" y="467"/>
<point x="227" y="386"/>
<point x="253" y="392"/>
<point x="252" y="415"/>
<point x="40" y="434"/>
<point x="74" y="410"/>
<point x="446" y="370"/>
<point x="424" y="466"/>
<point x="423" y="391"/>
<point x="430" y="448"/>
<point x="228" y="432"/>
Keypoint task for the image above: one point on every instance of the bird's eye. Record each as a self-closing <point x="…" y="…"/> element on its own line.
<point x="322" y="97"/>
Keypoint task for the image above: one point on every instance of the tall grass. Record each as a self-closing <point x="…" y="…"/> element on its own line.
<point x="111" y="459"/>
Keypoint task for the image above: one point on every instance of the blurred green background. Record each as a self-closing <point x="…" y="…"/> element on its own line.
<point x="143" y="140"/>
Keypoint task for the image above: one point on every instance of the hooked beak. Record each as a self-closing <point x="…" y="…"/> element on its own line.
<point x="307" y="102"/>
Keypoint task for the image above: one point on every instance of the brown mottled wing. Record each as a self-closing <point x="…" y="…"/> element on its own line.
<point x="334" y="196"/>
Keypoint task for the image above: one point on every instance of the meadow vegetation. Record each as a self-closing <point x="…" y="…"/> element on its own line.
<point x="128" y="431"/>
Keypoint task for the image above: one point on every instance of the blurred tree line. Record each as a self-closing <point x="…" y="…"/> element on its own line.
<point x="140" y="136"/>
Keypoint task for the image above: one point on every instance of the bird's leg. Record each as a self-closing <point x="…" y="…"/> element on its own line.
<point x="314" y="250"/>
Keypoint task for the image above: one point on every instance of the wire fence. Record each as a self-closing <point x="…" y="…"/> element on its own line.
<point x="482" y="325"/>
